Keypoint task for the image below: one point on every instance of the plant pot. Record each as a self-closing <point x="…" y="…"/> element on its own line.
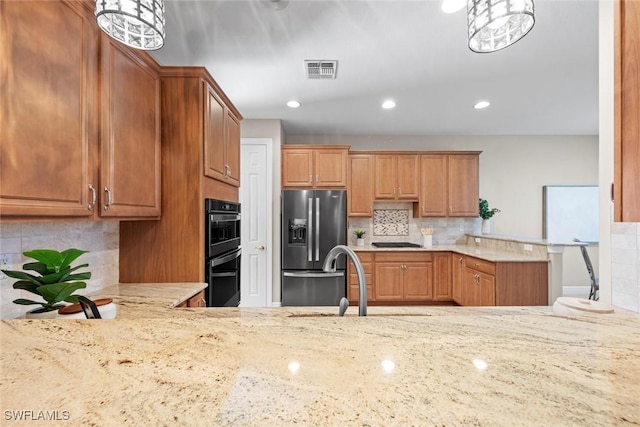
<point x="486" y="226"/>
<point x="37" y="314"/>
<point x="360" y="242"/>
<point x="106" y="307"/>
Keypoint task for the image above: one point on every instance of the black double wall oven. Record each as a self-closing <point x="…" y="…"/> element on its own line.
<point x="222" y="251"/>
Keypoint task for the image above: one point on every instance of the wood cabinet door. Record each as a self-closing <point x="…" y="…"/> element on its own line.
<point x="442" y="286"/>
<point x="627" y="112"/>
<point x="463" y="184"/>
<point x="232" y="151"/>
<point x="360" y="185"/>
<point x="297" y="168"/>
<point x="330" y="168"/>
<point x="197" y="301"/>
<point x="48" y="108"/>
<point x="388" y="285"/>
<point x="408" y="179"/>
<point x="417" y="281"/>
<point x="470" y="292"/>
<point x="457" y="277"/>
<point x="130" y="134"/>
<point x="215" y="137"/>
<point x="433" y="185"/>
<point x="385" y="176"/>
<point x="486" y="293"/>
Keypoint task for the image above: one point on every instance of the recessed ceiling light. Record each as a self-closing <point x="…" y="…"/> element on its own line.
<point x="482" y="104"/>
<point x="452" y="6"/>
<point x="388" y="104"/>
<point x="293" y="104"/>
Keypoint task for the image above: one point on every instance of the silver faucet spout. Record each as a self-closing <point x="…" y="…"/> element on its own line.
<point x="329" y="266"/>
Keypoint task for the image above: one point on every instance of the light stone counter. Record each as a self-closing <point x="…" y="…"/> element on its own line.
<point x="489" y="254"/>
<point x="399" y="366"/>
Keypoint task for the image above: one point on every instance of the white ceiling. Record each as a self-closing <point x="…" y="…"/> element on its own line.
<point x="545" y="84"/>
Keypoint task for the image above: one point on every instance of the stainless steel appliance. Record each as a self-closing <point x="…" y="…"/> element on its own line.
<point x="313" y="222"/>
<point x="222" y="252"/>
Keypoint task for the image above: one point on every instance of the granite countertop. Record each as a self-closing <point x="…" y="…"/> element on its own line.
<point x="306" y="366"/>
<point x="478" y="252"/>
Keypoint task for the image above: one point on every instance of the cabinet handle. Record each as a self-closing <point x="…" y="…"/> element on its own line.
<point x="109" y="200"/>
<point x="94" y="197"/>
<point x="204" y="302"/>
<point x="460" y="260"/>
<point x="229" y="171"/>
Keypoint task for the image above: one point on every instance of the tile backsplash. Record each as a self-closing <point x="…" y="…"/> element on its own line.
<point x="100" y="238"/>
<point x="390" y="222"/>
<point x="393" y="219"/>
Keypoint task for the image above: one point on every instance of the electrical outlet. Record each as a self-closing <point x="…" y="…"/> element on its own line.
<point x="477" y="240"/>
<point x="528" y="247"/>
<point x="4" y="264"/>
<point x="462" y="228"/>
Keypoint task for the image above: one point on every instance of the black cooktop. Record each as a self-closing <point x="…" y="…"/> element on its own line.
<point x="394" y="245"/>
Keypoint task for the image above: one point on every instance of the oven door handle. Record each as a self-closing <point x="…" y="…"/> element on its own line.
<point x="314" y="275"/>
<point x="223" y="218"/>
<point x="230" y="274"/>
<point x="226" y="258"/>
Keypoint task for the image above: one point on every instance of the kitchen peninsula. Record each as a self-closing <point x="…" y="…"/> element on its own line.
<point x="157" y="365"/>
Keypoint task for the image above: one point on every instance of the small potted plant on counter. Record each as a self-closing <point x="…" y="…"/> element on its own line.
<point x="486" y="214"/>
<point x="359" y="237"/>
<point x="54" y="280"/>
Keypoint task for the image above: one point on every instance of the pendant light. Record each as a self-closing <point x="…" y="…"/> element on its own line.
<point x="496" y="24"/>
<point x="136" y="23"/>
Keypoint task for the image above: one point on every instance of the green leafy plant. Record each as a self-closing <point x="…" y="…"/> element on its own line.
<point x="485" y="212"/>
<point x="359" y="233"/>
<point x="55" y="282"/>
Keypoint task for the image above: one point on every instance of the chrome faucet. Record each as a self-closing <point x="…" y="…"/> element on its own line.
<point x="329" y="266"/>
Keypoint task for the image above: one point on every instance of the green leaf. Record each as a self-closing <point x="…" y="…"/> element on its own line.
<point x="70" y="255"/>
<point x="58" y="292"/>
<point x="52" y="259"/>
<point x="38" y="267"/>
<point x="22" y="276"/>
<point x="22" y="301"/>
<point x="27" y="286"/>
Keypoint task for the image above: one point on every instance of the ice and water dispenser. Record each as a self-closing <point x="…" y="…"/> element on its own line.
<point x="297" y="231"/>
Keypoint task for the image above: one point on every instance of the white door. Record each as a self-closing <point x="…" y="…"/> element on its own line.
<point x="256" y="199"/>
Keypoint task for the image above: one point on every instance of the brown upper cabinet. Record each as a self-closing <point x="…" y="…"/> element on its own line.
<point x="312" y="166"/>
<point x="360" y="185"/>
<point x="221" y="139"/>
<point x="449" y="184"/>
<point x="76" y="139"/>
<point x="130" y="133"/>
<point x="626" y="192"/>
<point x="396" y="176"/>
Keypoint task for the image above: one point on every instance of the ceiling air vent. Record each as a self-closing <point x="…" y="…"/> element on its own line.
<point x="321" y="69"/>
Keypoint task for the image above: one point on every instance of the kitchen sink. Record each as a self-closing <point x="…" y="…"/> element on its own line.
<point x="394" y="245"/>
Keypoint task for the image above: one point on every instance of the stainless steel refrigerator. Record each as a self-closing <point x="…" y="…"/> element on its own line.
<point x="313" y="222"/>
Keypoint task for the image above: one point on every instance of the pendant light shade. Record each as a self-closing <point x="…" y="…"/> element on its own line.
<point x="136" y="23"/>
<point x="496" y="24"/>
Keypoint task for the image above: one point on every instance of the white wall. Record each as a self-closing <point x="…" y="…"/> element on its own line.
<point x="513" y="170"/>
<point x="271" y="129"/>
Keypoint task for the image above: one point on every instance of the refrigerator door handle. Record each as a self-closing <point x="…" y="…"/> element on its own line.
<point x="317" y="229"/>
<point x="310" y="222"/>
<point x="315" y="275"/>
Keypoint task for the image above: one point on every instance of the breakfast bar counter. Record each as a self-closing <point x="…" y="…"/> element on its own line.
<point x="156" y="365"/>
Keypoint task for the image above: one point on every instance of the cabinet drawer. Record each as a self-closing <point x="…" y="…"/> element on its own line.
<point x="365" y="256"/>
<point x="403" y="256"/>
<point x="481" y="265"/>
<point x="353" y="278"/>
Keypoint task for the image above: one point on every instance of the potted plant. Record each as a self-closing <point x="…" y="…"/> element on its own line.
<point x="486" y="214"/>
<point x="359" y="237"/>
<point x="53" y="281"/>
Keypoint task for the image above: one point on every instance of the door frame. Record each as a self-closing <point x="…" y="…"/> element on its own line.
<point x="268" y="142"/>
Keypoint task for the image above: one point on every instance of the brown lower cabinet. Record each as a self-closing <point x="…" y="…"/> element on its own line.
<point x="196" y="301"/>
<point x="479" y="282"/>
<point x="425" y="277"/>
